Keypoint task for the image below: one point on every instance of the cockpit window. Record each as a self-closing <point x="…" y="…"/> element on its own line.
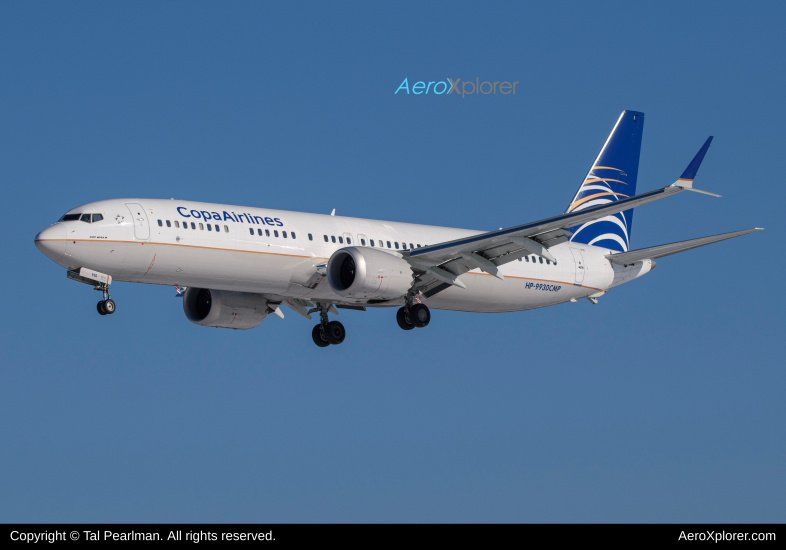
<point x="99" y="217"/>
<point x="85" y="218"/>
<point x="70" y="217"/>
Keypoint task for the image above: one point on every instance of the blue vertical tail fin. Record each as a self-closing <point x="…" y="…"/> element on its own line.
<point x="612" y="177"/>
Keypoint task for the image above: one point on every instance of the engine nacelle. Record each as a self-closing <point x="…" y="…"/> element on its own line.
<point x="364" y="273"/>
<point x="224" y="309"/>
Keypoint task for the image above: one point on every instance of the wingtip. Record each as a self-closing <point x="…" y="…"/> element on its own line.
<point x="690" y="172"/>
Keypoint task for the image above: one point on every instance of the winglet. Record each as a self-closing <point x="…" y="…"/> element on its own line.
<point x="686" y="179"/>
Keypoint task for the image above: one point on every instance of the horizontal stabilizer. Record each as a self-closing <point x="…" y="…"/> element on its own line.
<point x="667" y="249"/>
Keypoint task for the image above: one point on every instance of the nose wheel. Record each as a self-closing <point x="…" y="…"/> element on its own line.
<point x="107" y="305"/>
<point x="99" y="282"/>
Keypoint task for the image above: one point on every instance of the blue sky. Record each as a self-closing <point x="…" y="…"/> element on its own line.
<point x="664" y="402"/>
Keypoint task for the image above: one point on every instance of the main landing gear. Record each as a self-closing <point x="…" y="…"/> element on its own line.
<point x="327" y="332"/>
<point x="413" y="316"/>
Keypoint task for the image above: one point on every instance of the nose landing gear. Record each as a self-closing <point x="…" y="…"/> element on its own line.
<point x="107" y="305"/>
<point x="327" y="332"/>
<point x="99" y="282"/>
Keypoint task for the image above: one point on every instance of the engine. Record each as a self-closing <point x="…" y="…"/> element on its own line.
<point x="224" y="309"/>
<point x="364" y="273"/>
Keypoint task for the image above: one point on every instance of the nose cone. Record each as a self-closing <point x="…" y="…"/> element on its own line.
<point x="52" y="241"/>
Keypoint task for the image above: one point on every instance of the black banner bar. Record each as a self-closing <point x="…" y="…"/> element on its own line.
<point x="277" y="534"/>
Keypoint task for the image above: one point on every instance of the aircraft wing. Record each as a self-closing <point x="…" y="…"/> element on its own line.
<point x="437" y="267"/>
<point x="654" y="252"/>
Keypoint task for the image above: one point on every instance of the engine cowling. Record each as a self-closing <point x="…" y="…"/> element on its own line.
<point x="224" y="309"/>
<point x="365" y="273"/>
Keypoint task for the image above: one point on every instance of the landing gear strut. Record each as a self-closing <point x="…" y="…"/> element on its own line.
<point x="107" y="305"/>
<point x="413" y="315"/>
<point x="327" y="332"/>
<point x="99" y="282"/>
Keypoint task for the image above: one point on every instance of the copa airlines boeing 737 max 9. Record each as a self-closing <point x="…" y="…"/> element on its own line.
<point x="239" y="264"/>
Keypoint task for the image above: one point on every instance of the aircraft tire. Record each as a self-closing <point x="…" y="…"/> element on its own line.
<point x="316" y="334"/>
<point x="335" y="332"/>
<point x="420" y="315"/>
<point x="401" y="319"/>
<point x="100" y="308"/>
<point x="109" y="307"/>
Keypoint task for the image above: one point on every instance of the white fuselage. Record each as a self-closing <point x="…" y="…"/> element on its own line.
<point x="138" y="241"/>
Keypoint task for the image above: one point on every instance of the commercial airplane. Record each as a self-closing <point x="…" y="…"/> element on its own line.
<point x="235" y="265"/>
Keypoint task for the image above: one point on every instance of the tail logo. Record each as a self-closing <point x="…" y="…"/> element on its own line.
<point x="612" y="178"/>
<point x="597" y="190"/>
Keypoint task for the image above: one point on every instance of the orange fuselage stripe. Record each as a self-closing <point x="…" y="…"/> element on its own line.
<point x="279" y="254"/>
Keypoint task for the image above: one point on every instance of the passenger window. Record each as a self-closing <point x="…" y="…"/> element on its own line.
<point x="259" y="232"/>
<point x="371" y="241"/>
<point x="251" y="230"/>
<point x="541" y="260"/>
<point x="226" y="229"/>
<point x="267" y="232"/>
<point x="160" y="223"/>
<point x="363" y="242"/>
<point x="411" y="246"/>
<point x="193" y="225"/>
<point x="284" y="234"/>
<point x="168" y="223"/>
<point x="396" y="243"/>
<point x="86" y="218"/>
<point x="381" y="244"/>
<point x="519" y="259"/>
<point x="526" y="258"/>
<point x="332" y="238"/>
<point x="209" y="228"/>
<point x="548" y="262"/>
<point x="326" y="239"/>
<point x="310" y="238"/>
<point x="341" y="240"/>
<point x="293" y="234"/>
<point x="177" y="224"/>
<point x="349" y="241"/>
<point x="201" y="227"/>
<point x="99" y="217"/>
<point x="418" y="246"/>
<point x="389" y="244"/>
<point x="275" y="232"/>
